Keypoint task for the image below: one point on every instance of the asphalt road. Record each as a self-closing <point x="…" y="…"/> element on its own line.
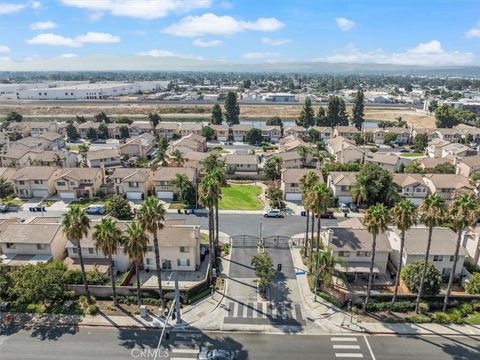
<point x="109" y="344"/>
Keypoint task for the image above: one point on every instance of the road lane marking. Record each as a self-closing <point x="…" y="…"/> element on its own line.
<point x="343" y="339"/>
<point x="348" y="355"/>
<point x="346" y="346"/>
<point x="185" y="351"/>
<point x="369" y="348"/>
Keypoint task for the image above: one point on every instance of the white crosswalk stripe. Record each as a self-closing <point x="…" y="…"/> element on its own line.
<point x="348" y="355"/>
<point x="183" y="354"/>
<point x="346" y="343"/>
<point x="264" y="310"/>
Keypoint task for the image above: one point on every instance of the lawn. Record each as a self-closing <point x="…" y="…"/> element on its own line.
<point x="241" y="197"/>
<point x="473" y="319"/>
<point x="413" y="154"/>
<point x="177" y="205"/>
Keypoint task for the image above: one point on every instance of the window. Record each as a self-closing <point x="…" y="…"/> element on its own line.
<point x="183" y="262"/>
<point x="150" y="248"/>
<point x="41" y="246"/>
<point x="133" y="184"/>
<point x="438" y="258"/>
<point x="147" y="261"/>
<point x="91" y="251"/>
<point x="61" y="183"/>
<point x="446" y="271"/>
<point x="21" y="182"/>
<point x="451" y="258"/>
<point x="38" y="182"/>
<point x="75" y="250"/>
<point x="344" y="253"/>
<point x="184" y="249"/>
<point x="364" y="253"/>
<point x="343" y="188"/>
<point x="10" y="246"/>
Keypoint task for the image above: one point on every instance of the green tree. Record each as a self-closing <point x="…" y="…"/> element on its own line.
<point x="445" y="117"/>
<point x="254" y="136"/>
<point x="102" y="117"/>
<point x="124" y="120"/>
<point x="307" y="181"/>
<point x="323" y="266"/>
<point x="92" y="134"/>
<point x="186" y="191"/>
<point x="321" y="118"/>
<point x="376" y="221"/>
<point x="358" y="109"/>
<point x="432" y="106"/>
<point x="275" y="121"/>
<point x="232" y="109"/>
<point x="274" y="195"/>
<point x="6" y="189"/>
<point x="217" y="117"/>
<point x="212" y="162"/>
<point x="247" y="84"/>
<point x="404" y="216"/>
<point x="162" y="143"/>
<point x="217" y="173"/>
<point x="390" y="138"/>
<point x="151" y="217"/>
<point x="307" y="115"/>
<point x="13" y="116"/>
<point x="420" y="142"/>
<point x="72" y="132"/>
<point x="76" y="226"/>
<point x="445" y="168"/>
<point x="80" y="119"/>
<point x="177" y="157"/>
<point x="136" y="246"/>
<point x="207" y="192"/>
<point x="432" y="211"/>
<point x="107" y="238"/>
<point x="102" y="132"/>
<point x="414" y="168"/>
<point x="154" y="119"/>
<point x="83" y="150"/>
<point x="160" y="158"/>
<point x="336" y="112"/>
<point x="319" y="198"/>
<point x="119" y="208"/>
<point x="263" y="267"/>
<point x="124" y="132"/>
<point x="412" y="273"/>
<point x="273" y="168"/>
<point x="473" y="285"/>
<point x="374" y="185"/>
<point x="462" y="214"/>
<point x="208" y="132"/>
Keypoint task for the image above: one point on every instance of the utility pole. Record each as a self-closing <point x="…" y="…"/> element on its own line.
<point x="260" y="233"/>
<point x="177" y="298"/>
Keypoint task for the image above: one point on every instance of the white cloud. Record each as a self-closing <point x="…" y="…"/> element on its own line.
<point x="59" y="40"/>
<point x="143" y="9"/>
<point x="4" y="49"/>
<point x="275" y="42"/>
<point x="167" y="53"/>
<point x="205" y="44"/>
<point x="36" y="4"/>
<point x="211" y="24"/>
<point x="68" y="56"/>
<point x="4" y="58"/>
<point x="345" y="24"/>
<point x="6" y="8"/>
<point x="431" y="53"/>
<point x="95" y="16"/>
<point x="259" y="55"/>
<point x="43" y="25"/>
<point x="473" y="32"/>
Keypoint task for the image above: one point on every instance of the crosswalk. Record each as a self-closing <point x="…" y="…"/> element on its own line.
<point x="346" y="347"/>
<point x="264" y="313"/>
<point x="184" y="345"/>
<point x="183" y="354"/>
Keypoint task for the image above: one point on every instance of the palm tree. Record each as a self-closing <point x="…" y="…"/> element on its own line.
<point x="326" y="266"/>
<point x="57" y="160"/>
<point x="218" y="173"/>
<point x="107" y="237"/>
<point x="160" y="157"/>
<point x="404" y="216"/>
<point x="463" y="213"/>
<point x="376" y="220"/>
<point x="177" y="157"/>
<point x="432" y="213"/>
<point x="76" y="225"/>
<point x="83" y="151"/>
<point x="207" y="192"/>
<point x="136" y="245"/>
<point x="359" y="191"/>
<point x="303" y="151"/>
<point x="320" y="198"/>
<point x="306" y="183"/>
<point x="151" y="217"/>
<point x="184" y="186"/>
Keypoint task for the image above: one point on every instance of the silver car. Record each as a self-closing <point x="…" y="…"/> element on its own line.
<point x="216" y="355"/>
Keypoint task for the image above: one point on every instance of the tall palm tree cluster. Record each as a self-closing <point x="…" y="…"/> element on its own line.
<point x="433" y="210"/>
<point x="109" y="238"/>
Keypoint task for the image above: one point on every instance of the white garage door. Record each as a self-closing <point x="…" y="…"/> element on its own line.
<point x="40" y="193"/>
<point x="134" y="196"/>
<point x="293" y="197"/>
<point x="165" y="194"/>
<point x="67" y="195"/>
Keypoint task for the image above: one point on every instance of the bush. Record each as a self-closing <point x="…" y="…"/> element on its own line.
<point x="473" y="285"/>
<point x="94" y="277"/>
<point x="91" y="310"/>
<point x="440" y="318"/>
<point x="198" y="296"/>
<point x="466" y="309"/>
<point x="412" y="273"/>
<point x="418" y="319"/>
<point x="456" y="316"/>
<point x="331" y="299"/>
<point x="399" y="306"/>
<point x="35" y="308"/>
<point x="424" y="307"/>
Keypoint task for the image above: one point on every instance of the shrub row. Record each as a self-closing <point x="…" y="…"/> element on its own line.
<point x="399" y="306"/>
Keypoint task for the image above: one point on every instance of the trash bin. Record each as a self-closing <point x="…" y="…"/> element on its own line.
<point x="303" y="213"/>
<point x="143" y="311"/>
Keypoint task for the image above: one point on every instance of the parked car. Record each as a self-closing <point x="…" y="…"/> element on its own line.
<point x="353" y="207"/>
<point x="327" y="215"/>
<point x="96" y="209"/>
<point x="343" y="207"/>
<point x="216" y="355"/>
<point x="273" y="213"/>
<point x="4" y="208"/>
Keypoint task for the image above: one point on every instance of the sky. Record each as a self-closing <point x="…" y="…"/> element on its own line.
<point x="128" y="33"/>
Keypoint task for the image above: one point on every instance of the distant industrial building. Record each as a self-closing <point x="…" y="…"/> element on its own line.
<point x="280" y="97"/>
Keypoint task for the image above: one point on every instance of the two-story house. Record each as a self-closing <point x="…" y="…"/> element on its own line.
<point x="290" y="183"/>
<point x="192" y="142"/>
<point x="435" y="147"/>
<point x="19" y="128"/>
<point x="457" y="149"/>
<point x="448" y="186"/>
<point x="375" y="135"/>
<point x="23" y="244"/>
<point x="141" y="146"/>
<point x="135" y="183"/>
<point x="40" y="127"/>
<point x="241" y="164"/>
<point x="54" y="140"/>
<point x="341" y="182"/>
<point x="34" y="181"/>
<point x="271" y="133"/>
<point x="389" y="162"/>
<point x="104" y="157"/>
<point x="467" y="166"/>
<point x="411" y="187"/>
<point x="190" y="128"/>
<point x="239" y="131"/>
<point x="297" y="131"/>
<point x="74" y="183"/>
<point x="139" y="127"/>
<point x="450" y="135"/>
<point x="83" y="128"/>
<point x="166" y="129"/>
<point x="344" y="150"/>
<point x="290" y="160"/>
<point x="326" y="133"/>
<point x="221" y="132"/>
<point x="403" y="134"/>
<point x="163" y="177"/>
<point x="347" y="132"/>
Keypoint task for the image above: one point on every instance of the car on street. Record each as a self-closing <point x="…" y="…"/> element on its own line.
<point x="95" y="209"/>
<point x="273" y="213"/>
<point x="353" y="207"/>
<point x="327" y="215"/>
<point x="216" y="355"/>
<point x="4" y="208"/>
<point x="343" y="207"/>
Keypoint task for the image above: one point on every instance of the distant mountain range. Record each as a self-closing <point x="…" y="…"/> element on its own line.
<point x="150" y="63"/>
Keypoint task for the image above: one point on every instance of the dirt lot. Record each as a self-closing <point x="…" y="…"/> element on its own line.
<point x="39" y="111"/>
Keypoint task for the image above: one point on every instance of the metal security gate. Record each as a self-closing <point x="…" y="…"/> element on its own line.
<point x="276" y="241"/>
<point x="246" y="241"/>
